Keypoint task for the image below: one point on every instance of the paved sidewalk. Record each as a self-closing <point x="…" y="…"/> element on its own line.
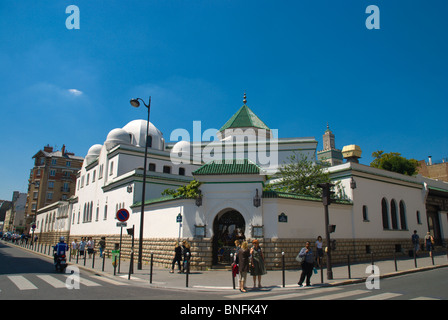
<point x="218" y="280"/>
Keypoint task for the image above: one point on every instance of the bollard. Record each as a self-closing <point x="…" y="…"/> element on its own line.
<point x="188" y="268"/>
<point x="115" y="265"/>
<point x="233" y="276"/>
<point x="348" y="265"/>
<point x="415" y="259"/>
<point x="93" y="260"/>
<point x="104" y="258"/>
<point x="85" y="255"/>
<point x="152" y="263"/>
<point x="77" y="255"/>
<point x="395" y="261"/>
<point x="283" y="269"/>
<point x="373" y="263"/>
<point x="432" y="257"/>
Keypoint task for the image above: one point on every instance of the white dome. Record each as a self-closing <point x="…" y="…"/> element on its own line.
<point x="181" y="146"/>
<point x="115" y="137"/>
<point x="137" y="128"/>
<point x="93" y="153"/>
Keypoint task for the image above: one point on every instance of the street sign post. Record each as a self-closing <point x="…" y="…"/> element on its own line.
<point x="122" y="216"/>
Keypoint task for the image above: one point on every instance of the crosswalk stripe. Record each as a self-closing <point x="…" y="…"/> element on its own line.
<point x="381" y="296"/>
<point x="52" y="281"/>
<point x="86" y="282"/>
<point x="117" y="283"/>
<point x="22" y="283"/>
<point x="339" y="295"/>
<point x="301" y="293"/>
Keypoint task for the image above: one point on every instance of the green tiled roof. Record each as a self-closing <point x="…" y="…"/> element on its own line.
<point x="244" y="166"/>
<point x="244" y="118"/>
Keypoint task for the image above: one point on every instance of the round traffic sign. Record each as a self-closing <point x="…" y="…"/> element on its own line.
<point x="122" y="215"/>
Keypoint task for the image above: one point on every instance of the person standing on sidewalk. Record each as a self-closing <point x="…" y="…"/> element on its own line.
<point x="102" y="245"/>
<point x="90" y="247"/>
<point x="257" y="260"/>
<point x="243" y="264"/>
<point x="177" y="257"/>
<point x="415" y="242"/>
<point x="429" y="240"/>
<point x="74" y="246"/>
<point x="307" y="264"/>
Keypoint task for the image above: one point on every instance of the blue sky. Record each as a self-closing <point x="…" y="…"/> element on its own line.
<point x="302" y="64"/>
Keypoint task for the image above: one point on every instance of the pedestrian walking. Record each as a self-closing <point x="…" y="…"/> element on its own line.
<point x="177" y="257"/>
<point x="415" y="242"/>
<point x="307" y="264"/>
<point x="74" y="246"/>
<point x="258" y="267"/>
<point x="319" y="250"/>
<point x="243" y="256"/>
<point x="186" y="254"/>
<point x="102" y="245"/>
<point x="429" y="242"/>
<point x="82" y="246"/>
<point x="90" y="247"/>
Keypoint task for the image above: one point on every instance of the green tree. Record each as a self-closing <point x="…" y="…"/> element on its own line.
<point x="190" y="191"/>
<point x="393" y="161"/>
<point x="300" y="176"/>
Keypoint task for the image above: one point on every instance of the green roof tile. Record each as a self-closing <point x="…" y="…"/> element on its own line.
<point x="244" y="166"/>
<point x="244" y="118"/>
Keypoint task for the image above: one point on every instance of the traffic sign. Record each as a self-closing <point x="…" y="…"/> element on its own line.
<point x="123" y="215"/>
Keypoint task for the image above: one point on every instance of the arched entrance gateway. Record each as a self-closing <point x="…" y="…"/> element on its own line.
<point x="228" y="226"/>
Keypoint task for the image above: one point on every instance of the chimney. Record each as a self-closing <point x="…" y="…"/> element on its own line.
<point x="63" y="149"/>
<point x="47" y="148"/>
<point x="429" y="160"/>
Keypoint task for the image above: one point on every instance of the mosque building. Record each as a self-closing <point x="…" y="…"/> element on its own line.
<point x="377" y="212"/>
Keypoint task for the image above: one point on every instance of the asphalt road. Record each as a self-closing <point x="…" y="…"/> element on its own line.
<point x="31" y="277"/>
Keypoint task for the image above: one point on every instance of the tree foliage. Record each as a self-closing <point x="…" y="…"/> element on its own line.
<point x="393" y="161"/>
<point x="300" y="176"/>
<point x="190" y="191"/>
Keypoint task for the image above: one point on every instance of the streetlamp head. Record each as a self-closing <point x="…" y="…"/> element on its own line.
<point x="135" y="103"/>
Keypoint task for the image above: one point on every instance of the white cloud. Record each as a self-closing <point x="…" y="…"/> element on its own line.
<point x="75" y="92"/>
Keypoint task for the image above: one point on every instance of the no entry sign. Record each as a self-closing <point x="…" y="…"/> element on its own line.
<point x="123" y="215"/>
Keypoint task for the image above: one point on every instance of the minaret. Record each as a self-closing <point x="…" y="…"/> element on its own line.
<point x="328" y="139"/>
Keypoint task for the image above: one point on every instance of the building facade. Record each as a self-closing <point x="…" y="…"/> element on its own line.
<point x="52" y="179"/>
<point x="377" y="210"/>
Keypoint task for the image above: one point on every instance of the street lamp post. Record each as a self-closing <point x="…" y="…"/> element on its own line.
<point x="136" y="104"/>
<point x="326" y="200"/>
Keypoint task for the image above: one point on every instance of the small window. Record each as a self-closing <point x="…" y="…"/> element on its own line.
<point x="152" y="167"/>
<point x="419" y="221"/>
<point x="166" y="169"/>
<point x="181" y="171"/>
<point x="111" y="168"/>
<point x="365" y="216"/>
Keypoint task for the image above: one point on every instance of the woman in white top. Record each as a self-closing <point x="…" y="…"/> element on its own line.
<point x="320" y="251"/>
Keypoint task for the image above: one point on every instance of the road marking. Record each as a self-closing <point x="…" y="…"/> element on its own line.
<point x="382" y="296"/>
<point x="52" y="281"/>
<point x="86" y="282"/>
<point x="339" y="295"/>
<point x="22" y="283"/>
<point x="302" y="293"/>
<point x="425" y="298"/>
<point x="117" y="283"/>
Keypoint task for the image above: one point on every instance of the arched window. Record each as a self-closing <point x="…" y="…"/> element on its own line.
<point x="403" y="222"/>
<point x="394" y="214"/>
<point x="385" y="214"/>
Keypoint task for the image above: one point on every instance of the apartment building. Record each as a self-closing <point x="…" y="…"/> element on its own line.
<point x="53" y="178"/>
